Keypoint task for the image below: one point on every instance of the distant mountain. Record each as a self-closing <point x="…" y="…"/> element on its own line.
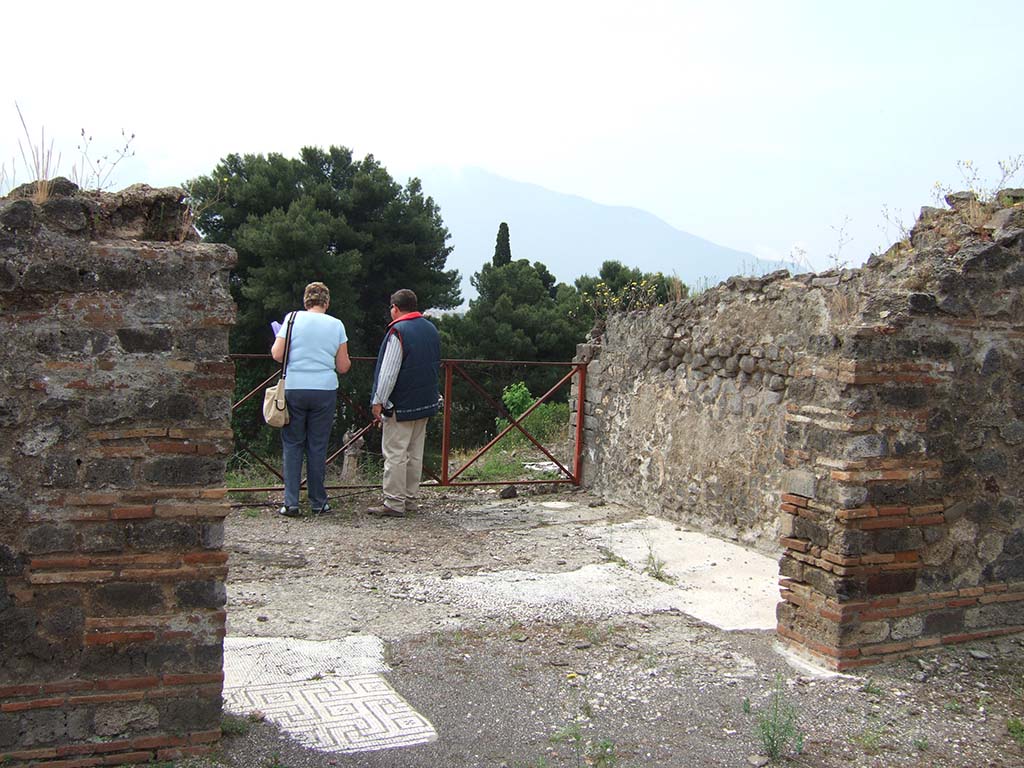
<point x="571" y="235"/>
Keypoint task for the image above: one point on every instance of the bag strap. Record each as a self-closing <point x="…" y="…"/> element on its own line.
<point x="287" y="345"/>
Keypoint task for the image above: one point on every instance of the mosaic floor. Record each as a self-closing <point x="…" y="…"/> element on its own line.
<point x="327" y="695"/>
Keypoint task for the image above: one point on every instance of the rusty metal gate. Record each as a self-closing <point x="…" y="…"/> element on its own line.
<point x="445" y="474"/>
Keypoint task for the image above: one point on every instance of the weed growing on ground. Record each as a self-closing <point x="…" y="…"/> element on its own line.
<point x="595" y="634"/>
<point x="573" y="735"/>
<point x="921" y="744"/>
<point x="234" y="725"/>
<point x="594" y="752"/>
<point x="612" y="557"/>
<point x="598" y="753"/>
<point x="598" y="634"/>
<point x="1015" y="727"/>
<point x="746" y="705"/>
<point x="776" y="725"/>
<point x="869" y="740"/>
<point x="954" y="705"/>
<point x="654" y="566"/>
<point x="603" y="754"/>
<point x="871" y="688"/>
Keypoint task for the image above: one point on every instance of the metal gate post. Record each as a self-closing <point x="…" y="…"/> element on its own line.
<point x="446" y="433"/>
<point x="581" y="396"/>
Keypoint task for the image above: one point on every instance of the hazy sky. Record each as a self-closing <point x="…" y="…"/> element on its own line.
<point x="757" y="125"/>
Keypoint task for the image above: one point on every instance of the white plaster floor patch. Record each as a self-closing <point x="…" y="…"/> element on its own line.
<point x="326" y="694"/>
<point x="715" y="581"/>
<point x="726" y="585"/>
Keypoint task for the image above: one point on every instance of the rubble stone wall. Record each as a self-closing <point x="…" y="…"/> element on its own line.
<point x="884" y="406"/>
<point x="114" y="431"/>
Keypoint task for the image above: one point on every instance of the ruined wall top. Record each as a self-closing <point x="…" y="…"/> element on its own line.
<point x="139" y="212"/>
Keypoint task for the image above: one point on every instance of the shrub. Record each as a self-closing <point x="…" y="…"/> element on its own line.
<point x="548" y="420"/>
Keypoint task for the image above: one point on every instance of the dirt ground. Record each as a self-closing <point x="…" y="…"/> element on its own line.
<point x="512" y="687"/>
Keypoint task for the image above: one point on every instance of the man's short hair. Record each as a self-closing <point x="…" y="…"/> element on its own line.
<point x="316" y="295"/>
<point x="404" y="299"/>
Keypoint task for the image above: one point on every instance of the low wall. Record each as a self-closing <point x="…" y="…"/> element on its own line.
<point x="686" y="404"/>
<point x="114" y="428"/>
<point x="883" y="405"/>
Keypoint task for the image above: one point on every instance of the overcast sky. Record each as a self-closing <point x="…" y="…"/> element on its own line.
<point x="757" y="125"/>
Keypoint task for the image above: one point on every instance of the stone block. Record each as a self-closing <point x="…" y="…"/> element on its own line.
<point x="108" y="473"/>
<point x="791" y="569"/>
<point x="862" y="633"/>
<point x="946" y="622"/>
<point x="66" y="624"/>
<point x="160" y="535"/>
<point x="866" y="447"/>
<point x="11" y="564"/>
<point x="891" y="583"/>
<point x="993" y="615"/>
<point x="10" y="729"/>
<point x="897" y="539"/>
<point x="60" y="471"/>
<point x="901" y="396"/>
<point x="807" y="529"/>
<point x="49" y="537"/>
<point x="850" y="542"/>
<point x="139" y="340"/>
<point x="209" y="658"/>
<point x="102" y="537"/>
<point x="800" y="482"/>
<point x="183" y="470"/>
<point x="201" y="594"/>
<point x="108" y="661"/>
<point x="125" y="719"/>
<point x="1009" y="566"/>
<point x="191" y="714"/>
<point x="128" y="598"/>
<point x="43" y="726"/>
<point x="907" y="628"/>
<point x="167" y="657"/>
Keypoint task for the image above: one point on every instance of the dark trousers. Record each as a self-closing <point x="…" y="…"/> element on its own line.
<point x="311" y="413"/>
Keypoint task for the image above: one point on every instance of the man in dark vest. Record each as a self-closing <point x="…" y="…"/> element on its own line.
<point x="405" y="396"/>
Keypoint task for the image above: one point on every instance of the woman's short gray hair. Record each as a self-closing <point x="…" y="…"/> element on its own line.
<point x="316" y="295"/>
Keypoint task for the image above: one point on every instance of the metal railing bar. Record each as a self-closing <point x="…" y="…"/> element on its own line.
<point x="515" y="423"/>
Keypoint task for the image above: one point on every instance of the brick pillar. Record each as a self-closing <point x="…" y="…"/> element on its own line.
<point x="901" y="506"/>
<point x="114" y="432"/>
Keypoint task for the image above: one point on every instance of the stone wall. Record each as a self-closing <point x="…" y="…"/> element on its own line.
<point x="685" y="404"/>
<point x="884" y="405"/>
<point x="114" y="431"/>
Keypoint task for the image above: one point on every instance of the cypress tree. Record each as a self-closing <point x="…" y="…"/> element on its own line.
<point x="502" y="248"/>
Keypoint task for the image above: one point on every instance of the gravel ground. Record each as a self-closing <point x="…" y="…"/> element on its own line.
<point x="635" y="686"/>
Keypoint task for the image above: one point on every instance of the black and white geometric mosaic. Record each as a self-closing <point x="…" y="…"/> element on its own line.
<point x="325" y="694"/>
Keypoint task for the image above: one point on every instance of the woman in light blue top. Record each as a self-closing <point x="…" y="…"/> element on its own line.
<point x="318" y="353"/>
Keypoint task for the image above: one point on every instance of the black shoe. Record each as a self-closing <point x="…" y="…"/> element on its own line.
<point x="288" y="511"/>
<point x="325" y="509"/>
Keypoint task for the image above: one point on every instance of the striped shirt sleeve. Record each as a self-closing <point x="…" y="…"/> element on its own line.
<point x="388" y="375"/>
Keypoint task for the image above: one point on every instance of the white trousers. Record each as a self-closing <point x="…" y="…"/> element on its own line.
<point x="402" y="446"/>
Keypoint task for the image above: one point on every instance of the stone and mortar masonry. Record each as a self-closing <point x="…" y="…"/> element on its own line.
<point x="114" y="429"/>
<point x="871" y="421"/>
